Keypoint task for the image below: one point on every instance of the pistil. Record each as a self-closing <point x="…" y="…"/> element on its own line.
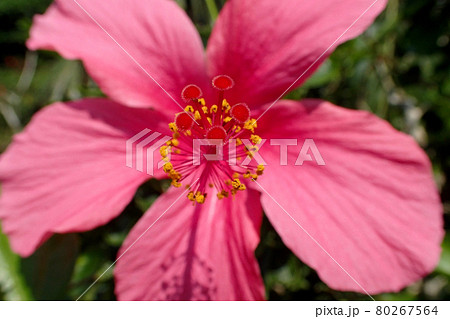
<point x="219" y="122"/>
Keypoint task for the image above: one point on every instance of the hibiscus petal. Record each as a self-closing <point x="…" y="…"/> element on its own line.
<point x="373" y="206"/>
<point x="67" y="171"/>
<point x="266" y="45"/>
<point x="202" y="252"/>
<point x="155" y="34"/>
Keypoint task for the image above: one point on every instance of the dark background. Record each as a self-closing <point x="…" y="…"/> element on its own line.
<point x="399" y="69"/>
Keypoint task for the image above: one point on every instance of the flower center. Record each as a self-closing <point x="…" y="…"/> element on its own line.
<point x="212" y="144"/>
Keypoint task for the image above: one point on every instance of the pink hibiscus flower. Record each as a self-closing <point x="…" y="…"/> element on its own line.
<point x="370" y="220"/>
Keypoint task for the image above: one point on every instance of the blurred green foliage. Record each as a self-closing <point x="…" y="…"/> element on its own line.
<point x="399" y="69"/>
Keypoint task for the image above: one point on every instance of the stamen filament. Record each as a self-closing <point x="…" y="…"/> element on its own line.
<point x="223" y="122"/>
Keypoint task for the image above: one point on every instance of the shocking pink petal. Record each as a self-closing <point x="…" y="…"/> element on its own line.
<point x="373" y="207"/>
<point x="156" y="34"/>
<point x="67" y="171"/>
<point x="266" y="45"/>
<point x="201" y="252"/>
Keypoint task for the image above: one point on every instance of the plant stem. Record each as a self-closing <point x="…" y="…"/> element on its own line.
<point x="212" y="9"/>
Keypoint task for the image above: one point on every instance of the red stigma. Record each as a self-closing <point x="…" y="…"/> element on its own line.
<point x="222" y="82"/>
<point x="184" y="121"/>
<point x="216" y="132"/>
<point x="240" y="112"/>
<point x="191" y="92"/>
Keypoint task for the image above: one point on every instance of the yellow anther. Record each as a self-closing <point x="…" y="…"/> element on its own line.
<point x="247" y="174"/>
<point x="236" y="183"/>
<point x="188" y="132"/>
<point x="177" y="151"/>
<point x="209" y="120"/>
<point x="237" y="129"/>
<point x="174" y="175"/>
<point x="251" y="125"/>
<point x="214" y="108"/>
<point x="260" y="169"/>
<point x="254" y="176"/>
<point x="227" y="119"/>
<point x="202" y="101"/>
<point x="167" y="167"/>
<point x="200" y="198"/>
<point x="255" y="139"/>
<point x="175" y="142"/>
<point x="176" y="135"/>
<point x="242" y="187"/>
<point x="173" y="127"/>
<point x="205" y="109"/>
<point x="222" y="194"/>
<point x="189" y="108"/>
<point x="236" y="175"/>
<point x="197" y="115"/>
<point x="226" y="106"/>
<point x="176" y="184"/>
<point x="238" y="141"/>
<point x="191" y="196"/>
<point x="228" y="182"/>
<point x="164" y="151"/>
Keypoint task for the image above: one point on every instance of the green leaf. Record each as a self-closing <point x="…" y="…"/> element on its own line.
<point x="49" y="269"/>
<point x="88" y="263"/>
<point x="12" y="284"/>
<point x="212" y="9"/>
<point x="444" y="263"/>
